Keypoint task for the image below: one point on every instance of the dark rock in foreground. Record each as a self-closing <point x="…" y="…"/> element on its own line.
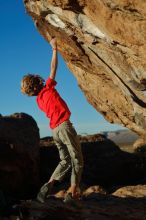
<point x="19" y="154"/>
<point x="94" y="206"/>
<point x="104" y="162"/>
<point x="106" y="169"/>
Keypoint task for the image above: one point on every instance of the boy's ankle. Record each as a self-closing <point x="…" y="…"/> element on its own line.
<point x="75" y="191"/>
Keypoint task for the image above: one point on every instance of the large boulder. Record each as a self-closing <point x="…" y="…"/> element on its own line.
<point x="105" y="164"/>
<point x="19" y="154"/>
<point x="103" y="43"/>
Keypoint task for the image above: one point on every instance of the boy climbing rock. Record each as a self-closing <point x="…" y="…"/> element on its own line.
<point x="64" y="134"/>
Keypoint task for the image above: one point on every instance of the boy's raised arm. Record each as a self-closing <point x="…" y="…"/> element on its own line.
<point x="54" y="61"/>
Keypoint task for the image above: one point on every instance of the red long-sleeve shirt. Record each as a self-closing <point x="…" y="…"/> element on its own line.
<point x="50" y="102"/>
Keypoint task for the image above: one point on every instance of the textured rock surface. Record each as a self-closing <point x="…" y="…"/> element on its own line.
<point x="19" y="154"/>
<point x="138" y="191"/>
<point x="103" y="44"/>
<point x="94" y="206"/>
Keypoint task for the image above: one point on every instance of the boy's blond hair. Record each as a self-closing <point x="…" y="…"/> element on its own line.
<point x="31" y="84"/>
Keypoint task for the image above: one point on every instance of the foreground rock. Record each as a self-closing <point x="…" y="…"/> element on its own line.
<point x="103" y="44"/>
<point x="106" y="167"/>
<point x="138" y="191"/>
<point x="19" y="154"/>
<point x="94" y="205"/>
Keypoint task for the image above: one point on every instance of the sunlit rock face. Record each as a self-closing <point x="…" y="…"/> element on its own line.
<point x="103" y="42"/>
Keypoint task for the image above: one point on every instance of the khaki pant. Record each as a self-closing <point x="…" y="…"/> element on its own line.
<point x="70" y="153"/>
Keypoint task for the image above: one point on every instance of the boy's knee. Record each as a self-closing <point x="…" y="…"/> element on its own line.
<point x="65" y="162"/>
<point x="78" y="163"/>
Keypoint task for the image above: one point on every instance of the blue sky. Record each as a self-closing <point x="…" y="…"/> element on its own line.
<point x="23" y="50"/>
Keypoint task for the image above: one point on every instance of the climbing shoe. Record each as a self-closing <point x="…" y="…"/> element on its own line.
<point x="44" y="192"/>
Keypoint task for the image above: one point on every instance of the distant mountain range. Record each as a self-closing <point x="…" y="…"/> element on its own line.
<point x="119" y="137"/>
<point x="122" y="136"/>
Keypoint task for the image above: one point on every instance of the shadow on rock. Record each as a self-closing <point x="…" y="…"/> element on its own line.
<point x="19" y="154"/>
<point x="94" y="206"/>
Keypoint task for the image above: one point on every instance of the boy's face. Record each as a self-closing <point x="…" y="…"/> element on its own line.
<point x="23" y="86"/>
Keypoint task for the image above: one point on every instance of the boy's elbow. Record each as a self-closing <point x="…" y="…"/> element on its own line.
<point x="52" y="74"/>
